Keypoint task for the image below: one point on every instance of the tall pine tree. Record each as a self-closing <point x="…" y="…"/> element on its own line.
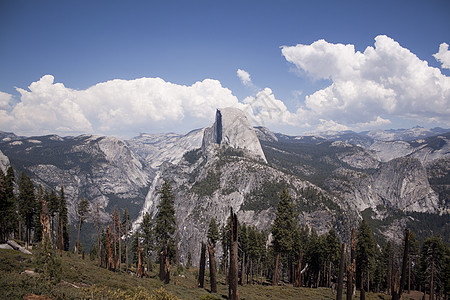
<point x="165" y="225"/>
<point x="64" y="220"/>
<point x="27" y="204"/>
<point x="283" y="228"/>
<point x="365" y="252"/>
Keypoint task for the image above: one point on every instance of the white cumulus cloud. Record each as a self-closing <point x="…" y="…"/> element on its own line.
<point x="384" y="80"/>
<point x="5" y="100"/>
<point x="120" y="107"/>
<point x="244" y="76"/>
<point x="265" y="110"/>
<point x="443" y="56"/>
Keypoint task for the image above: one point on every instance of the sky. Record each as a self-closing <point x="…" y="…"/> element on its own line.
<point x="128" y="67"/>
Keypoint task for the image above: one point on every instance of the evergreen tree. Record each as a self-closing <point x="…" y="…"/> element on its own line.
<point x="11" y="203"/>
<point x="147" y="237"/>
<point x="3" y="207"/>
<point x="282" y="229"/>
<point x="365" y="251"/>
<point x="332" y="251"/>
<point x="432" y="262"/>
<point x="64" y="219"/>
<point x="82" y="211"/>
<point x="213" y="232"/>
<point x="53" y="207"/>
<point x="27" y="204"/>
<point x="165" y="222"/>
<point x="37" y="215"/>
<point x="126" y="226"/>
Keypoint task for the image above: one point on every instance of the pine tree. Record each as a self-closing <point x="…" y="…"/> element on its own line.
<point x="365" y="251"/>
<point x="26" y="203"/>
<point x="53" y="207"/>
<point x="11" y="203"/>
<point x="332" y="252"/>
<point x="82" y="211"/>
<point x="147" y="237"/>
<point x="165" y="222"/>
<point x="37" y="214"/>
<point x="64" y="220"/>
<point x="126" y="226"/>
<point x="432" y="261"/>
<point x="282" y="229"/>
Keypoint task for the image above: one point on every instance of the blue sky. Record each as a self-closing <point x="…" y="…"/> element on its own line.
<point x="71" y="67"/>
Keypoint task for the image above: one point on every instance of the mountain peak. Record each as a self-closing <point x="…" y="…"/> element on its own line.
<point x="232" y="129"/>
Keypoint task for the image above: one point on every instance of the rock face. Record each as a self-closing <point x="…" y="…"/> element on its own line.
<point x="232" y="129"/>
<point x="4" y="162"/>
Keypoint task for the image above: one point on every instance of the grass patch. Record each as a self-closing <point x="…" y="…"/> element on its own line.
<point x="82" y="279"/>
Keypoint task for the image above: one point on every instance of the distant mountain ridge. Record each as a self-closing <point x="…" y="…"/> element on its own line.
<point x="396" y="177"/>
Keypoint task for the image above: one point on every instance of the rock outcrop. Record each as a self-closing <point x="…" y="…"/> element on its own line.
<point x="232" y="129"/>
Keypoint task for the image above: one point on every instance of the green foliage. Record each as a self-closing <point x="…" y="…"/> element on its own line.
<point x="208" y="185"/>
<point x="193" y="155"/>
<point x="284" y="224"/>
<point x="27" y="202"/>
<point x="147" y="234"/>
<point x="213" y="232"/>
<point x="265" y="197"/>
<point x="165" y="222"/>
<point x="365" y="248"/>
<point x="8" y="217"/>
<point x="63" y="215"/>
<point x="433" y="261"/>
<point x="48" y="262"/>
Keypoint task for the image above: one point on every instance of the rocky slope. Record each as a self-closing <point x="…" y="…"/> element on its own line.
<point x="334" y="178"/>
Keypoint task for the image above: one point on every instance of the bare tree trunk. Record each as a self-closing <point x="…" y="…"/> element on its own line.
<point x="126" y="246"/>
<point x="243" y="271"/>
<point x="77" y="244"/>
<point x="60" y="244"/>
<point x="409" y="273"/>
<point x="251" y="271"/>
<point x="140" y="267"/>
<point x="352" y="268"/>
<point x="233" y="293"/>
<point x="108" y="244"/>
<point x="298" y="281"/>
<point x="275" y="271"/>
<point x="166" y="266"/>
<point x="432" y="279"/>
<point x="201" y="274"/>
<point x="329" y="274"/>
<point x="340" y="286"/>
<point x="161" y="266"/>
<point x="212" y="268"/>
<point x="404" y="263"/>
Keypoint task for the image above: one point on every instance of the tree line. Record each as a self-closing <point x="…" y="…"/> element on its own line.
<point x="20" y="213"/>
<point x="289" y="252"/>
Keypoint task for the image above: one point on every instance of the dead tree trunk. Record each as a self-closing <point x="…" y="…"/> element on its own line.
<point x="396" y="295"/>
<point x="140" y="267"/>
<point x="340" y="286"/>
<point x="212" y="268"/>
<point x="233" y="274"/>
<point x="243" y="271"/>
<point x="275" y="271"/>
<point x="166" y="266"/>
<point x="298" y="280"/>
<point x="351" y="268"/>
<point x="108" y="245"/>
<point x="161" y="266"/>
<point x="201" y="273"/>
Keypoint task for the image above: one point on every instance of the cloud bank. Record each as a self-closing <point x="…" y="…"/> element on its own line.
<point x="368" y="88"/>
<point x="120" y="107"/>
